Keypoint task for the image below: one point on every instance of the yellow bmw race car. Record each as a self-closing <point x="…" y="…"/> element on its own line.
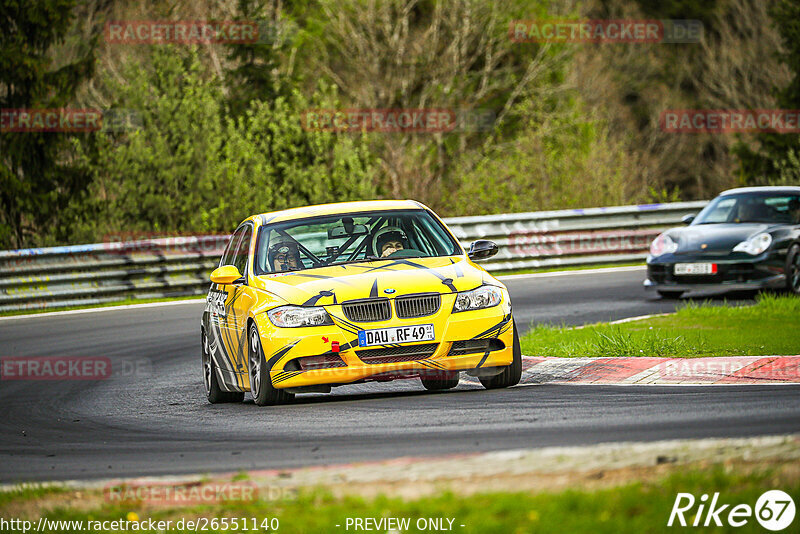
<point x="309" y="298"/>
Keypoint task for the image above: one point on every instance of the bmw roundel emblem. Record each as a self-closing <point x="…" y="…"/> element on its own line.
<point x="389" y="291"/>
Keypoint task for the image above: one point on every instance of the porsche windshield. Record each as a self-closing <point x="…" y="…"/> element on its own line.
<point x="771" y="208"/>
<point x="348" y="238"/>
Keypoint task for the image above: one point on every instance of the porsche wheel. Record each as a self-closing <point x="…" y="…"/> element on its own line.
<point x="264" y="394"/>
<point x="511" y="374"/>
<point x="214" y="393"/>
<point x="793" y="270"/>
<point x="440" y="381"/>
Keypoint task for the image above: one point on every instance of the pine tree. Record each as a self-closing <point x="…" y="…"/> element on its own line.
<point x="36" y="182"/>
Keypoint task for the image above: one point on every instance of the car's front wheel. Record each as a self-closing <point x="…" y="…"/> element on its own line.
<point x="511" y="374"/>
<point x="214" y="393"/>
<point x="793" y="270"/>
<point x="264" y="394"/>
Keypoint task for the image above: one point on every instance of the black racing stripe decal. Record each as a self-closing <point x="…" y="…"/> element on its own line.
<point x="483" y="360"/>
<point x="491" y="332"/>
<point x="285" y="375"/>
<point x="345" y="324"/>
<point x="449" y="283"/>
<point x="434" y="364"/>
<point x="322" y="294"/>
<point x="278" y="355"/>
<point x="227" y="340"/>
<point x="398" y="262"/>
<point x="446" y="281"/>
<point x="373" y="293"/>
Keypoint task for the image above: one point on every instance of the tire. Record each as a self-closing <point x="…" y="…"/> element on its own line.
<point x="264" y="394"/>
<point x="793" y="270"/>
<point x="512" y="373"/>
<point x="440" y="381"/>
<point x="214" y="393"/>
<point x="669" y="295"/>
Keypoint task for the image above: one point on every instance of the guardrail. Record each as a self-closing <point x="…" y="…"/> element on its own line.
<point x="179" y="266"/>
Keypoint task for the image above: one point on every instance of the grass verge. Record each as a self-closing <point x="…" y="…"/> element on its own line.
<point x="696" y="330"/>
<point x="633" y="507"/>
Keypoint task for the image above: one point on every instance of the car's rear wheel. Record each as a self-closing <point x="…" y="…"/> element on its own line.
<point x="214" y="392"/>
<point x="670" y="294"/>
<point x="511" y="374"/>
<point x="440" y="381"/>
<point x="793" y="270"/>
<point x="264" y="394"/>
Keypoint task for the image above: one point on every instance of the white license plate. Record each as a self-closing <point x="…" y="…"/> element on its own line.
<point x="695" y="268"/>
<point x="395" y="334"/>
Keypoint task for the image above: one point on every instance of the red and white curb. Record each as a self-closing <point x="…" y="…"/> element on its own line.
<point x="662" y="371"/>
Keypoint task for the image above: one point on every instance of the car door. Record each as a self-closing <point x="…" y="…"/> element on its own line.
<point x="242" y="298"/>
<point x="222" y="333"/>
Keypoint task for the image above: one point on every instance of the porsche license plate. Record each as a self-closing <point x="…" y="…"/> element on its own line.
<point x="695" y="268"/>
<point x="395" y="334"/>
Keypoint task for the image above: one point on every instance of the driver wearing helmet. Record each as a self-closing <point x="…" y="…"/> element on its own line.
<point x="284" y="256"/>
<point x="389" y="240"/>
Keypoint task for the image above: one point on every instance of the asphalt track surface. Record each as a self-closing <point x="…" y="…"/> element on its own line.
<point x="155" y="420"/>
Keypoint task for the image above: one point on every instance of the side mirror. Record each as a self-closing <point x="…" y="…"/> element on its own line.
<point x="227" y="274"/>
<point x="687" y="219"/>
<point x="482" y="249"/>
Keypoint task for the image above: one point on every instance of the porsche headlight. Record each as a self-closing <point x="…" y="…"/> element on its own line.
<point x="482" y="297"/>
<point x="755" y="245"/>
<point x="663" y="244"/>
<point x="296" y="316"/>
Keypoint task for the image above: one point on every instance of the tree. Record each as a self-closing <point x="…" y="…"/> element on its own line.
<point x="254" y="74"/>
<point x="37" y="180"/>
<point x="777" y="152"/>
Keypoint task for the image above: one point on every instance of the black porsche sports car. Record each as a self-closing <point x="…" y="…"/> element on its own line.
<point x="745" y="239"/>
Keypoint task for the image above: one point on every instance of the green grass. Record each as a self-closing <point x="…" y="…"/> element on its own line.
<point x="24" y="492"/>
<point x="768" y="327"/>
<point x="635" y="507"/>
<point x="124" y="302"/>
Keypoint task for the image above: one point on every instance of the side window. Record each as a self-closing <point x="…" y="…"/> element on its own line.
<point x="230" y="249"/>
<point x="240" y="260"/>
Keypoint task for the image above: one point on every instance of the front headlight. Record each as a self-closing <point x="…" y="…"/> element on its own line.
<point x="296" y="316"/>
<point x="663" y="244"/>
<point x="482" y="297"/>
<point x="755" y="245"/>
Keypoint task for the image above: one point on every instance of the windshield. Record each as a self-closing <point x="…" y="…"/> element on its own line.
<point x="773" y="208"/>
<point x="348" y="238"/>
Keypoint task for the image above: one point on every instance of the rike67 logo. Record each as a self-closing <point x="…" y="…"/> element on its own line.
<point x="774" y="510"/>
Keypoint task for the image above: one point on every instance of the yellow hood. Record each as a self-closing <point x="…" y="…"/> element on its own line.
<point x="336" y="284"/>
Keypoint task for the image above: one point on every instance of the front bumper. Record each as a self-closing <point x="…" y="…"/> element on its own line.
<point x="451" y="331"/>
<point x="760" y="272"/>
